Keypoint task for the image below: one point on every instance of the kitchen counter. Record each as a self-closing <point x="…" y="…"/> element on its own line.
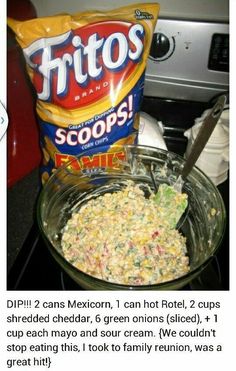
<point x="21" y="200"/>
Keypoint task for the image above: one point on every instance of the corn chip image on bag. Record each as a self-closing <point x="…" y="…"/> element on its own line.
<point x="88" y="71"/>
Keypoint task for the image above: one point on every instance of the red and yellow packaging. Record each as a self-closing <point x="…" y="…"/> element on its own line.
<point x="88" y="71"/>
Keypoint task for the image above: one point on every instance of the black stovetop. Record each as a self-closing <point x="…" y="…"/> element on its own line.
<point x="36" y="269"/>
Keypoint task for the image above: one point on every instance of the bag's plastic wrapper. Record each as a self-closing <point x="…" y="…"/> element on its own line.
<point x="88" y="71"/>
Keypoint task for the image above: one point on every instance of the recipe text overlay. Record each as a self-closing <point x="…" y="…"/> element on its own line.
<point x="48" y="328"/>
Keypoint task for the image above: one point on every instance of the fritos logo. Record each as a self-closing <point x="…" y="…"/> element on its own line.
<point x="78" y="67"/>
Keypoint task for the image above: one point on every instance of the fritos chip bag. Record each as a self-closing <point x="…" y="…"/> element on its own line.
<point x="88" y="72"/>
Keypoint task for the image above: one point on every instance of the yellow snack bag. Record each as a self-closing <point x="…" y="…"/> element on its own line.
<point x="88" y="71"/>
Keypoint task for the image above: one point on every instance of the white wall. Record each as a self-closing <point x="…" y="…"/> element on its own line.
<point x="190" y="9"/>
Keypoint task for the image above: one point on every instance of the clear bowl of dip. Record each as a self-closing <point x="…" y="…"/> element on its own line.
<point x="89" y="176"/>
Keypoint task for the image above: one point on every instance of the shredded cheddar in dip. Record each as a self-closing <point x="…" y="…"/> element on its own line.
<point x="126" y="238"/>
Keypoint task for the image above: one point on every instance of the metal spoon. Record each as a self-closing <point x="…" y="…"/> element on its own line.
<point x="165" y="194"/>
<point x="201" y="140"/>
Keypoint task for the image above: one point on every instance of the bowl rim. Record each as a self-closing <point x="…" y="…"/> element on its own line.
<point x="112" y="285"/>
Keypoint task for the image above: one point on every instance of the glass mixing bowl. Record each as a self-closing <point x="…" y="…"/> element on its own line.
<point x="88" y="176"/>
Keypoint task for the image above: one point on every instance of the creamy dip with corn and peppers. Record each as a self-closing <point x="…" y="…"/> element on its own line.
<point x="126" y="238"/>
